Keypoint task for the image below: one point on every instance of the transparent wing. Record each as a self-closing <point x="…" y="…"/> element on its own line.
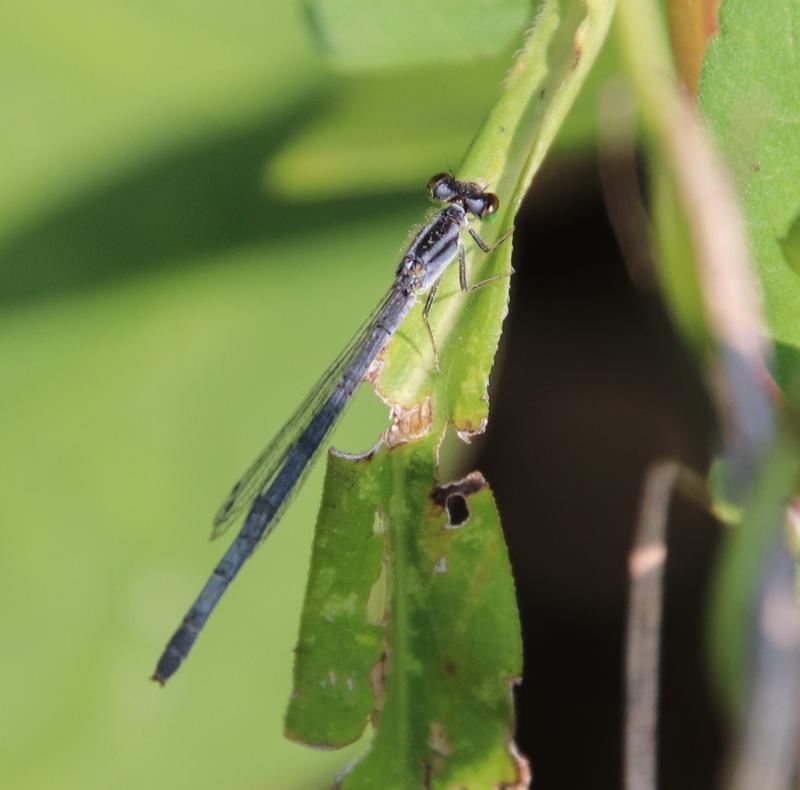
<point x="266" y="466"/>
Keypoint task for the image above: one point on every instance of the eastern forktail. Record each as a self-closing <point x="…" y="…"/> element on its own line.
<point x="267" y="486"/>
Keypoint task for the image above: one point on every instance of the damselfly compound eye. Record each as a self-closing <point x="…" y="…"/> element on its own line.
<point x="442" y="187"/>
<point x="490" y="204"/>
<point x="435" y="180"/>
<point x="481" y="205"/>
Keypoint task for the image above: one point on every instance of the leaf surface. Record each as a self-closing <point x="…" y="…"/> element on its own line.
<point x="435" y="675"/>
<point x="384" y="33"/>
<point x="750" y="98"/>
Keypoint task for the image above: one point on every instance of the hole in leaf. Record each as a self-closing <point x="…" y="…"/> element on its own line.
<point x="457" y="509"/>
<point x="453" y="498"/>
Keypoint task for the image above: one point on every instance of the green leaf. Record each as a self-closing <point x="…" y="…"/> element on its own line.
<point x="339" y="642"/>
<point x="790" y="246"/>
<point x="447" y="649"/>
<point x="750" y="98"/>
<point x="752" y="496"/>
<point x="441" y="708"/>
<point x="506" y="155"/>
<point x="361" y="34"/>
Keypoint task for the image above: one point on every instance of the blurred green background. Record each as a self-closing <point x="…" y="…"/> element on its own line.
<point x="195" y="213"/>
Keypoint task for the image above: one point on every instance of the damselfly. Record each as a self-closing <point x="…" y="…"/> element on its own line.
<point x="267" y="486"/>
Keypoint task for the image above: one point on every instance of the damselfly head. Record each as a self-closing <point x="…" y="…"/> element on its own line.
<point x="446" y="188"/>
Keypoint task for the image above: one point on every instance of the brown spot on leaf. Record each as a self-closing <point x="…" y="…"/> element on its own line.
<point x="468" y="433"/>
<point x="470" y="484"/>
<point x="377" y="681"/>
<point x="438" y="740"/>
<point x="409" y="424"/>
<point x="453" y="498"/>
<point x="375" y="370"/>
<point x="523" y="781"/>
<point x="577" y="41"/>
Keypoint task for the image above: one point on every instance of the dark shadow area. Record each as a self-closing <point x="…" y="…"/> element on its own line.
<point x="593" y="387"/>
<point x="204" y="198"/>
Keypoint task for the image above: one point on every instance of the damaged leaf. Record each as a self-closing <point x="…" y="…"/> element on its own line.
<point x="450" y="648"/>
<point x="439" y="670"/>
<point x="505" y="156"/>
<point x="339" y="644"/>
